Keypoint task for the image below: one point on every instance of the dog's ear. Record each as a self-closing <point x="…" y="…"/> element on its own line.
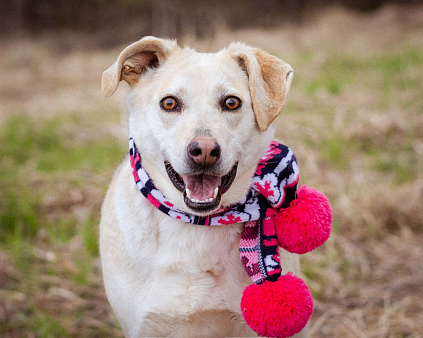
<point x="269" y="80"/>
<point x="134" y="60"/>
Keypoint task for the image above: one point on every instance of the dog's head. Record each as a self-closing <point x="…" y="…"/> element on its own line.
<point x="200" y="121"/>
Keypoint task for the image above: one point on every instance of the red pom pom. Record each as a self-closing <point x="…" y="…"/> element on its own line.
<point x="277" y="309"/>
<point x="306" y="223"/>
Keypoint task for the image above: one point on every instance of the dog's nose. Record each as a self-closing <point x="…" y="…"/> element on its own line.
<point x="203" y="150"/>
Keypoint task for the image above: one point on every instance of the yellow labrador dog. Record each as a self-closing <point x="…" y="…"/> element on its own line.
<point x="201" y="122"/>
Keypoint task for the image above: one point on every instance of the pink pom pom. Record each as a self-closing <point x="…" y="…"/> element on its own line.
<point x="306" y="223"/>
<point x="277" y="309"/>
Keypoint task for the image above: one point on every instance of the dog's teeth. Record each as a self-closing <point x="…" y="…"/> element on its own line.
<point x="208" y="200"/>
<point x="216" y="190"/>
<point x="194" y="200"/>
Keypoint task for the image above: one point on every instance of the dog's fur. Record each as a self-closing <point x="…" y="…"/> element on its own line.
<point x="164" y="277"/>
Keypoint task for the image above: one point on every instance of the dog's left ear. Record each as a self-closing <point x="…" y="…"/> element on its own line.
<point x="269" y="79"/>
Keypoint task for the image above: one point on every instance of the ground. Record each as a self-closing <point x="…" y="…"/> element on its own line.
<point x="354" y="120"/>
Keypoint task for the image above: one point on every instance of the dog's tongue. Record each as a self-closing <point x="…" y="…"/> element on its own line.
<point x="201" y="187"/>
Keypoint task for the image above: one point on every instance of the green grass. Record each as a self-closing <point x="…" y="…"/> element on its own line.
<point x="90" y="236"/>
<point x="385" y="81"/>
<point x="32" y="152"/>
<point x="38" y="322"/>
<point x="40" y="161"/>
<point x="19" y="216"/>
<point x="389" y="71"/>
<point x="336" y="150"/>
<point x="45" y="326"/>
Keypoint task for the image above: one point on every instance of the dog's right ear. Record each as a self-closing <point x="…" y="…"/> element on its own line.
<point x="134" y="60"/>
<point x="269" y="79"/>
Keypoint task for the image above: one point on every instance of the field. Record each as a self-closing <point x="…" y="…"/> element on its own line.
<point x="354" y="120"/>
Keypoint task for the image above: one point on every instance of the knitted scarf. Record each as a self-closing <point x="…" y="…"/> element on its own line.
<point x="273" y="187"/>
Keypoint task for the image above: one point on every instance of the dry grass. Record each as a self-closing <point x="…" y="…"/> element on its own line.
<point x="354" y="120"/>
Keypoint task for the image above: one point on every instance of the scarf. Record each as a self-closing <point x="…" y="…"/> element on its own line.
<point x="273" y="187"/>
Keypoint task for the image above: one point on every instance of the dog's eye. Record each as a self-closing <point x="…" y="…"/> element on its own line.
<point x="169" y="103"/>
<point x="231" y="103"/>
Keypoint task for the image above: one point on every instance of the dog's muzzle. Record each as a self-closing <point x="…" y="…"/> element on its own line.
<point x="202" y="192"/>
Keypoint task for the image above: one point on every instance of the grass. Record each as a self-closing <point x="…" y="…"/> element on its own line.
<point x="385" y="140"/>
<point x="45" y="325"/>
<point x="354" y="121"/>
<point x="32" y="153"/>
<point x="391" y="72"/>
<point x="41" y="169"/>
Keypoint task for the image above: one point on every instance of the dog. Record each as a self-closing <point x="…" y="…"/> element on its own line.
<point x="201" y="122"/>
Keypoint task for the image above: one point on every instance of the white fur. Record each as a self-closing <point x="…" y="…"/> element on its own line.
<point x="164" y="277"/>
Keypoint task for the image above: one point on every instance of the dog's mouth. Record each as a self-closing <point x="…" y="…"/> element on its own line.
<point x="202" y="192"/>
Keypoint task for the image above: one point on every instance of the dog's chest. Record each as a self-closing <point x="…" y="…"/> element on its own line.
<point x="199" y="266"/>
<point x="183" y="268"/>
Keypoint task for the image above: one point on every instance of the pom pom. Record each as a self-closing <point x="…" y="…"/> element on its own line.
<point x="277" y="309"/>
<point x="306" y="223"/>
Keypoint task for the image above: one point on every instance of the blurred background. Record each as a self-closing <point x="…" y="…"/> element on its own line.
<point x="354" y="120"/>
